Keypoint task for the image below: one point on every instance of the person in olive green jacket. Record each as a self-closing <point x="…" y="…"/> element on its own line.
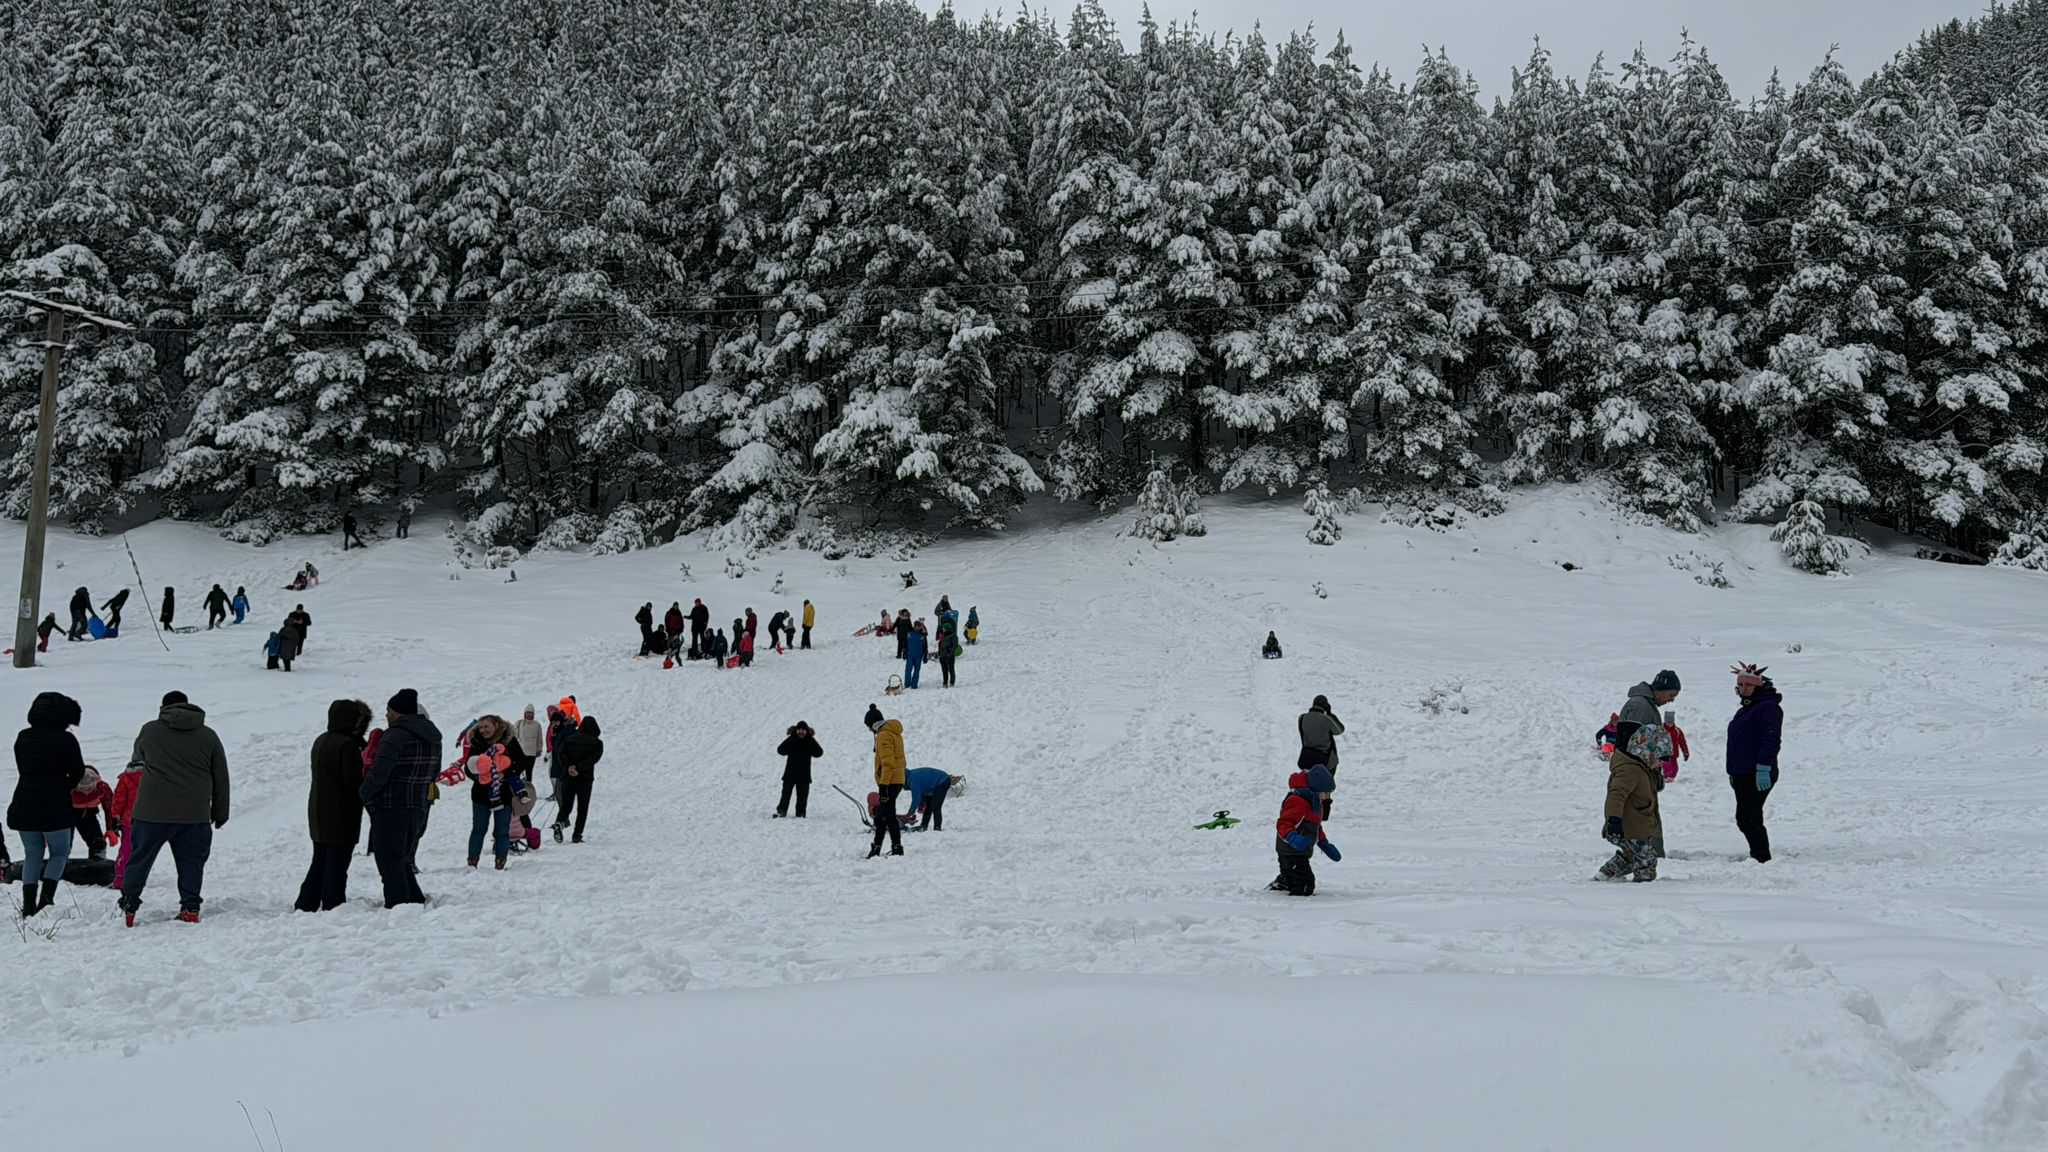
<point x="183" y="799"/>
<point x="1633" y="825"/>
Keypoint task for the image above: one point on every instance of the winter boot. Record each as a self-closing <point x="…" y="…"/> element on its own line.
<point x="558" y="833"/>
<point x="896" y="851"/>
<point x="472" y="861"/>
<point x="49" y="895"/>
<point x="29" y="907"/>
<point x="188" y="915"/>
<point x="128" y="918"/>
<point x="576" y="839"/>
<point x="501" y="863"/>
<point x="872" y="853"/>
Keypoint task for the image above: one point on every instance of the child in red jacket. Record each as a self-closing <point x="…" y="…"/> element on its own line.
<point x="1299" y="831"/>
<point x="87" y="800"/>
<point x="126" y="787"/>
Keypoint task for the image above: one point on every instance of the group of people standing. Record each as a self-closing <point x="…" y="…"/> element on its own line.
<point x="665" y="638"/>
<point x="915" y="643"/>
<point x="1643" y="737"/>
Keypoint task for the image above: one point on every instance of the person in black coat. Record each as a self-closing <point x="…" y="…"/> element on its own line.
<point x="216" y="607"/>
<point x="113" y="607"/>
<point x="585" y="750"/>
<point x="334" y="806"/>
<point x="700" y="622"/>
<point x="396" y="791"/>
<point x="645" y="618"/>
<point x="170" y="608"/>
<point x="348" y="532"/>
<point x="799" y="747"/>
<point x="301" y="622"/>
<point x="81" y="607"/>
<point x="51" y="765"/>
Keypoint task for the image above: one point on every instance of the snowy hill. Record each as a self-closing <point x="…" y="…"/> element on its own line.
<point x="1070" y="964"/>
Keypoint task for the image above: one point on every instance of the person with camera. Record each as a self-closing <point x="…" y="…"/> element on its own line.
<point x="798" y="748"/>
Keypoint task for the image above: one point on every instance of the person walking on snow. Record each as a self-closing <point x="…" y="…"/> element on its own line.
<point x="949" y="653"/>
<point x="527" y="734"/>
<point x="889" y="779"/>
<point x="334" y="806"/>
<point x="396" y="791"/>
<point x="929" y="788"/>
<point x="776" y="625"/>
<point x="113" y="607"/>
<point x="298" y="624"/>
<point x="747" y="649"/>
<point x="903" y="630"/>
<point x="44" y="631"/>
<point x="1754" y="733"/>
<point x="1646" y="702"/>
<point x="348" y="532"/>
<point x="810" y="621"/>
<point x="645" y="618"/>
<point x="486" y="762"/>
<point x="672" y="623"/>
<point x="241" y="604"/>
<point x="184" y="799"/>
<point x="170" y="609"/>
<point x="913" y="655"/>
<point x="50" y="764"/>
<point x="753" y="623"/>
<point x="1319" y="728"/>
<point x="1633" y="825"/>
<point x="585" y="749"/>
<point x="798" y="748"/>
<point x="1298" y="833"/>
<point x="973" y="625"/>
<point x="216" y="605"/>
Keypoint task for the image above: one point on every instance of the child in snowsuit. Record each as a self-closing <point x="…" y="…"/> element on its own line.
<point x="1603" y="740"/>
<point x="973" y="625"/>
<point x="275" y="650"/>
<point x="1272" y="649"/>
<point x="913" y="641"/>
<point x="43" y="631"/>
<point x="240" y="604"/>
<point x="1678" y="747"/>
<point x="127" y="786"/>
<point x="746" y="649"/>
<point x="88" y="799"/>
<point x="1633" y="825"/>
<point x="1299" y="831"/>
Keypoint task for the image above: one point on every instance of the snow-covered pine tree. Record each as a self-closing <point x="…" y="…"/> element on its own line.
<point x="1322" y="511"/>
<point x="2026" y="546"/>
<point x="1803" y="537"/>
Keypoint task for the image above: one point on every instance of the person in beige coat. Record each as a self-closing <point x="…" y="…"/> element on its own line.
<point x="1633" y="824"/>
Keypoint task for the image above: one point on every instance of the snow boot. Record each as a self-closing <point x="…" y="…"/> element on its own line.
<point x="472" y="861"/>
<point x="896" y="851"/>
<point x="576" y="839"/>
<point x="128" y="918"/>
<point x="501" y="863"/>
<point x="558" y="833"/>
<point x="872" y="853"/>
<point x="29" y="907"/>
<point x="188" y="915"/>
<point x="49" y="895"/>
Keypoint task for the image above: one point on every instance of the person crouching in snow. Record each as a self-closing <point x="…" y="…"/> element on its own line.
<point x="1299" y="831"/>
<point x="87" y="799"/>
<point x="929" y="788"/>
<point x="1633" y="824"/>
<point x="1271" y="650"/>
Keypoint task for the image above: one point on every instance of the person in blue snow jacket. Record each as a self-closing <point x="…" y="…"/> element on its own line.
<point x="1753" y="736"/>
<point x="240" y="604"/>
<point x="913" y="654"/>
<point x="928" y="788"/>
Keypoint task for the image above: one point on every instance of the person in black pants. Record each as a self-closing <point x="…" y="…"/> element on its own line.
<point x="799" y="748"/>
<point x="170" y="608"/>
<point x="334" y="806"/>
<point x="584" y="751"/>
<point x="1753" y="738"/>
<point x="348" y="532"/>
<point x="949" y="652"/>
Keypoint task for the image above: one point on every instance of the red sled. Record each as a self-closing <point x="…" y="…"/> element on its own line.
<point x="732" y="662"/>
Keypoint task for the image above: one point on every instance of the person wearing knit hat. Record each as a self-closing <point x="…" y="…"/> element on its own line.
<point x="1646" y="703"/>
<point x="396" y="791"/>
<point x="873" y="718"/>
<point x="406" y="702"/>
<point x="1754" y="733"/>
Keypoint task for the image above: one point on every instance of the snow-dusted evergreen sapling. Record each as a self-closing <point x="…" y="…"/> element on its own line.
<point x="1322" y="510"/>
<point x="1805" y="541"/>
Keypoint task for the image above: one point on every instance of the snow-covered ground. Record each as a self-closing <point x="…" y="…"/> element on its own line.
<point x="1070" y="964"/>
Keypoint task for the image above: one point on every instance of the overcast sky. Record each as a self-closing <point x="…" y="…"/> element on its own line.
<point x="1747" y="38"/>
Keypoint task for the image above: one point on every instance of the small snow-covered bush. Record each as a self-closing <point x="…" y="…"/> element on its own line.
<point x="1168" y="508"/>
<point x="625" y="530"/>
<point x="1445" y="698"/>
<point x="1322" y="509"/>
<point x="1709" y="573"/>
<point x="2026" y="548"/>
<point x="1805" y="541"/>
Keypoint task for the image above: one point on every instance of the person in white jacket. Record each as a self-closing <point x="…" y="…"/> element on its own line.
<point x="528" y="734"/>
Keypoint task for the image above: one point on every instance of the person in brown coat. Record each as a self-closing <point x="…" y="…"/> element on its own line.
<point x="1633" y="824"/>
<point x="334" y="806"/>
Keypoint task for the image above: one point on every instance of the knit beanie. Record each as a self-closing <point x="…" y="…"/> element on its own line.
<point x="406" y="702"/>
<point x="1666" y="681"/>
<point x="873" y="717"/>
<point x="175" y="697"/>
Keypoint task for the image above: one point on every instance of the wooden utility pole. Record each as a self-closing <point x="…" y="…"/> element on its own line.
<point x="31" y="609"/>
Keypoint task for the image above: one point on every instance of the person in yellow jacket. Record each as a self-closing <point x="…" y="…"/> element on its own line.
<point x="889" y="768"/>
<point x="810" y="619"/>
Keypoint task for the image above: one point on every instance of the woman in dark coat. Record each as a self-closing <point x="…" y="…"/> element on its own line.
<point x="51" y="765"/>
<point x="799" y="748"/>
<point x="334" y="807"/>
<point x="1753" y="735"/>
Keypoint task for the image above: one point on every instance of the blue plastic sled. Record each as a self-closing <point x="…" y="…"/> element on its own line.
<point x="97" y="627"/>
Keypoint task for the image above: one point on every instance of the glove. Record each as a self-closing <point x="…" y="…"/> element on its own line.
<point x="1763" y="777"/>
<point x="1612" y="832"/>
<point x="1330" y="850"/>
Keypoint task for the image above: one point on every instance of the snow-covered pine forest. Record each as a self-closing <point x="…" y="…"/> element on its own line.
<point x="606" y="270"/>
